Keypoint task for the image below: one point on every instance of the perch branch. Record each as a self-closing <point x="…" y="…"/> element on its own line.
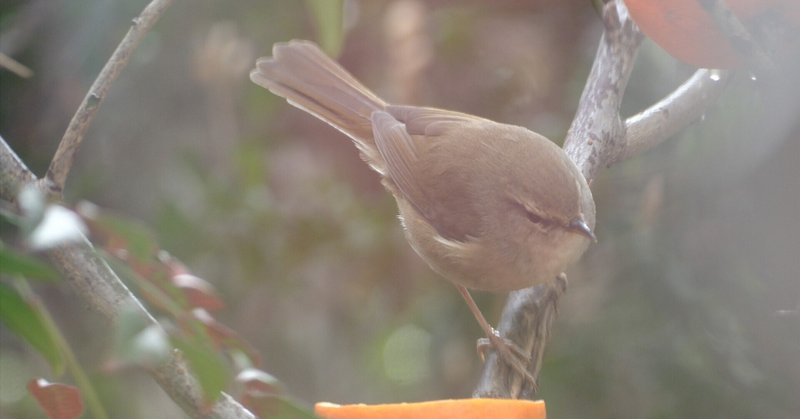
<point x="76" y="130"/>
<point x="597" y="138"/>
<point x="595" y="135"/>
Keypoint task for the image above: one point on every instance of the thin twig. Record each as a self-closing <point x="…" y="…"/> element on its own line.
<point x="672" y="114"/>
<point x="76" y="130"/>
<point x="15" y="66"/>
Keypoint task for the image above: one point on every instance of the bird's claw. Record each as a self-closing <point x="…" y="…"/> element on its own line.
<point x="511" y="354"/>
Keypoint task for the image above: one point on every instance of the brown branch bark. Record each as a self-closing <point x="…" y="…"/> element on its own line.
<point x="597" y="138"/>
<point x="101" y="290"/>
<point x="14" y="173"/>
<point x="90" y="277"/>
<point x="596" y="134"/>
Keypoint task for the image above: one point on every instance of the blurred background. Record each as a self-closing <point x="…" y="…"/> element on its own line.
<point x="687" y="306"/>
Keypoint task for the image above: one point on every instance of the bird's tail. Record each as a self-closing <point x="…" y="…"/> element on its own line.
<point x="300" y="72"/>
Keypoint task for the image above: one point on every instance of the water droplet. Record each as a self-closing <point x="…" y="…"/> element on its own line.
<point x="715" y="75"/>
<point x="753" y="77"/>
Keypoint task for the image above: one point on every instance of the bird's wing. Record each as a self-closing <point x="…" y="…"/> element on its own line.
<point x="401" y="154"/>
<point x="414" y="143"/>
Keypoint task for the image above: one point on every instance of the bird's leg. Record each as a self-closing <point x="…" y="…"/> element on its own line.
<point x="560" y="288"/>
<point x="507" y="350"/>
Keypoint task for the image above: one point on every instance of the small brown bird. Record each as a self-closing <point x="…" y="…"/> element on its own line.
<point x="489" y="206"/>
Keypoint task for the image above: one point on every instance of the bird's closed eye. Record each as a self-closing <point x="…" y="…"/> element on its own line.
<point x="530" y="215"/>
<point x="534" y="218"/>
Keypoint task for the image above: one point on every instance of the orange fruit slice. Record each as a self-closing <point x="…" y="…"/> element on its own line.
<point x="463" y="409"/>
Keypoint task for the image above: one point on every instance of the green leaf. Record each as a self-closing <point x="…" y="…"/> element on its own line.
<point x="138" y="341"/>
<point x="26" y="320"/>
<point x="207" y="365"/>
<point x="17" y="264"/>
<point x="329" y="20"/>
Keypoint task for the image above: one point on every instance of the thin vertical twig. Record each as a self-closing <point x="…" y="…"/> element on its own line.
<point x="76" y="130"/>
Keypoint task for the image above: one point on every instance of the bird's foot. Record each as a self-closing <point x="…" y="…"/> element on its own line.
<point x="511" y="354"/>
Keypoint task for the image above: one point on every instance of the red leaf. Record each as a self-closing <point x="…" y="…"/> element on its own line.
<point x="59" y="401"/>
<point x="174" y="266"/>
<point x="198" y="292"/>
<point x="258" y="384"/>
<point x="218" y="332"/>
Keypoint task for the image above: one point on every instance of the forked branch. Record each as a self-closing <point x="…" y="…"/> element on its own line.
<point x="97" y="285"/>
<point x="597" y="138"/>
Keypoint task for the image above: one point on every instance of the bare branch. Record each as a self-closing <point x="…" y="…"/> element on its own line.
<point x="99" y="287"/>
<point x="76" y="130"/>
<point x="672" y="114"/>
<point x="596" y="133"/>
<point x="597" y="138"/>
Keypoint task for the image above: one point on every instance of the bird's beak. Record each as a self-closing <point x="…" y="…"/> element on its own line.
<point x="580" y="226"/>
